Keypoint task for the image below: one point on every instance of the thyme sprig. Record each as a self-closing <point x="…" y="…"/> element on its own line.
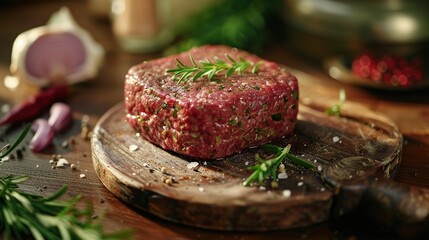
<point x="267" y="168"/>
<point x="210" y="68"/>
<point x="335" y="110"/>
<point x="24" y="215"/>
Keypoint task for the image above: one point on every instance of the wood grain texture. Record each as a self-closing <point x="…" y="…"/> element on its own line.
<point x="213" y="197"/>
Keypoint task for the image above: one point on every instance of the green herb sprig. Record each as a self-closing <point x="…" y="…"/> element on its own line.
<point x="335" y="110"/>
<point x="244" y="24"/>
<point x="268" y="167"/>
<point x="24" y="215"/>
<point x="210" y="69"/>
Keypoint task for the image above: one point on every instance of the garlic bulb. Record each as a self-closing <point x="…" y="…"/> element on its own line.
<point x="60" y="51"/>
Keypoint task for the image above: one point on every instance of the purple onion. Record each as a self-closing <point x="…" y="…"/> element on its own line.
<point x="43" y="136"/>
<point x="60" y="116"/>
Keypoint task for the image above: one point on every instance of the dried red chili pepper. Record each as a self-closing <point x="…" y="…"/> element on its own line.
<point x="35" y="105"/>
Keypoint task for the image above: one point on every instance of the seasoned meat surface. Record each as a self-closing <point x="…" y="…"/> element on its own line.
<point x="210" y="119"/>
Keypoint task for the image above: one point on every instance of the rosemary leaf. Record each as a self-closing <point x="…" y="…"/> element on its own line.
<point x="17" y="141"/>
<point x="299" y="161"/>
<point x="335" y="110"/>
<point x="256" y="66"/>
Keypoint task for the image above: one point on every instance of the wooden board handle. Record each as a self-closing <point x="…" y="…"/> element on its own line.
<point x="398" y="207"/>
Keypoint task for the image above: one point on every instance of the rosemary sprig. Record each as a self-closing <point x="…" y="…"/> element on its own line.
<point x="335" y="110"/>
<point x="210" y="69"/>
<point x="24" y="215"/>
<point x="268" y="168"/>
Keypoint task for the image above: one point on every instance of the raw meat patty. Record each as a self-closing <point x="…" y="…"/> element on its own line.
<point x="210" y="119"/>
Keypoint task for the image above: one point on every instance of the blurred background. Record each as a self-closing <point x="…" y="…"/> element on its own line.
<point x="342" y="26"/>
<point x="382" y="42"/>
<point x="378" y="43"/>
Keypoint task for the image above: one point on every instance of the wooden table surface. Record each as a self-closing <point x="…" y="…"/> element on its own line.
<point x="409" y="110"/>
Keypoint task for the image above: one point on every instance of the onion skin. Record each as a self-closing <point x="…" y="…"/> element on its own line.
<point x="60" y="116"/>
<point x="44" y="134"/>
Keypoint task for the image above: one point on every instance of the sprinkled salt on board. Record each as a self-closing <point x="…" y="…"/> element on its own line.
<point x="192" y="165"/>
<point x="62" y="162"/>
<point x="282" y="175"/>
<point x="133" y="148"/>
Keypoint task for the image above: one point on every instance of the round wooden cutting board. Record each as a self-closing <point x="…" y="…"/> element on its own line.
<point x="212" y="196"/>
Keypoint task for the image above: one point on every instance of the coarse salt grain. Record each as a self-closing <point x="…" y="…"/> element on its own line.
<point x="246" y="163"/>
<point x="319" y="168"/>
<point x="282" y="176"/>
<point x="133" y="148"/>
<point x="65" y="144"/>
<point x="5" y="159"/>
<point x="192" y="165"/>
<point x="201" y="189"/>
<point x="335" y="139"/>
<point x="168" y="181"/>
<point x="300" y="184"/>
<point x="286" y="193"/>
<point x="82" y="175"/>
<point x="62" y="162"/>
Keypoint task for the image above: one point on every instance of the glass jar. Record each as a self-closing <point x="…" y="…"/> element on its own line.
<point x="142" y="26"/>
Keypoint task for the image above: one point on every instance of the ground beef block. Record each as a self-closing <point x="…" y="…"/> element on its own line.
<point x="211" y="119"/>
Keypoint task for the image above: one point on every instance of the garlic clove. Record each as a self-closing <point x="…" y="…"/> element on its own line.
<point x="43" y="136"/>
<point x="60" y="116"/>
<point x="57" y="52"/>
